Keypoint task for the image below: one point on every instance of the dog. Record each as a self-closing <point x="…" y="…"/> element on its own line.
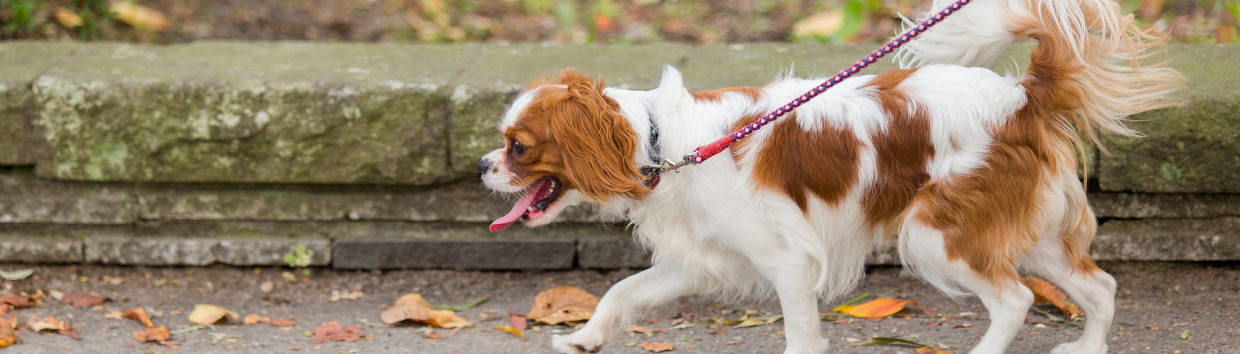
<point x="971" y="174"/>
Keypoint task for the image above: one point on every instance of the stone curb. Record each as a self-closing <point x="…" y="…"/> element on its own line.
<point x="347" y="113"/>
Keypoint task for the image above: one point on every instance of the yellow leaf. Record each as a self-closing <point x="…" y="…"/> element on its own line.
<point x="509" y="329"/>
<point x="254" y="318"/>
<point x="68" y="19"/>
<point x="139" y="16"/>
<point x="563" y="304"/>
<point x="931" y="350"/>
<point x="825" y="24"/>
<point x="877" y="308"/>
<point x="205" y="314"/>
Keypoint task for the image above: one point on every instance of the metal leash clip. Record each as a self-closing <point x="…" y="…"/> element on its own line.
<point x="669" y="165"/>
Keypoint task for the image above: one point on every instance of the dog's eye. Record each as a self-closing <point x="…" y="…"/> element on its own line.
<point x="517" y="148"/>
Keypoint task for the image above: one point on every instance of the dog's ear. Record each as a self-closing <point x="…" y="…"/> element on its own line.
<point x="598" y="143"/>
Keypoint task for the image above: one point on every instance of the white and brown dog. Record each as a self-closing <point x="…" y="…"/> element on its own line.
<point x="972" y="174"/>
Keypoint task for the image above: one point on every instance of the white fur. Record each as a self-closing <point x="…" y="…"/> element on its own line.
<point x="713" y="230"/>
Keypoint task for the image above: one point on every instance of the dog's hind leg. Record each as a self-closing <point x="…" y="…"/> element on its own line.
<point x="624" y="303"/>
<point x="1005" y="298"/>
<point x="1089" y="286"/>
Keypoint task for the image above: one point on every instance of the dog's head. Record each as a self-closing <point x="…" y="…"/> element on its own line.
<point x="565" y="142"/>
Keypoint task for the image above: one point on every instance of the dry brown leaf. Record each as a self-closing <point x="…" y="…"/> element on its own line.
<point x="657" y="347"/>
<point x="283" y="323"/>
<point x="509" y="329"/>
<point x="82" y="301"/>
<point x="17" y="301"/>
<point x="266" y="287"/>
<point x="254" y="318"/>
<point x="139" y="314"/>
<point x="7" y="337"/>
<point x="562" y="304"/>
<point x="414" y="308"/>
<point x="67" y="18"/>
<point x="332" y="332"/>
<point x="639" y="329"/>
<point x="39" y="324"/>
<point x="158" y="334"/>
<point x="1044" y="291"/>
<point x="205" y="314"/>
<point x="141" y="17"/>
<point x="877" y="308"/>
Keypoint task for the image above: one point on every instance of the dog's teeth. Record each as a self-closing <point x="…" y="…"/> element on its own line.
<point x="531" y="208"/>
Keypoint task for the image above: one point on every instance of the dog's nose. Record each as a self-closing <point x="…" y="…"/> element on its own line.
<point x="484" y="165"/>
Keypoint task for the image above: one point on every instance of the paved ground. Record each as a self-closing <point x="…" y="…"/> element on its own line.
<point x="1203" y="299"/>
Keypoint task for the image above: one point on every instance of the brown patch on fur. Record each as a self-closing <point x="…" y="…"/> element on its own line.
<point x="902" y="152"/>
<point x="578" y="135"/>
<point x="714" y="95"/>
<point x="797" y="161"/>
<point x="738" y="148"/>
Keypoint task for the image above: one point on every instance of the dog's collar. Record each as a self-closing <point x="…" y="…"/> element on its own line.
<point x="651" y="174"/>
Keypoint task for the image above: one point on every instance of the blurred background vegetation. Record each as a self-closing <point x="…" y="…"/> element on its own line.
<point x="559" y="21"/>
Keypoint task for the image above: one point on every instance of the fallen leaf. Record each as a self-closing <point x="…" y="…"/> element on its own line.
<point x="822" y="24"/>
<point x="16" y="301"/>
<point x="931" y="350"/>
<point x="351" y="295"/>
<point x="267" y="287"/>
<point x="516" y="321"/>
<point x="1184" y="335"/>
<point x="7" y="336"/>
<point x="205" y="314"/>
<point x="639" y="329"/>
<point x="963" y="325"/>
<point x="877" y="308"/>
<point x="158" y="334"/>
<point x="67" y="18"/>
<point x="139" y="314"/>
<point x="191" y="329"/>
<point x="254" y="318"/>
<point x="562" y="304"/>
<point x="884" y="341"/>
<point x="114" y="315"/>
<point x="657" y="347"/>
<point x="1043" y="291"/>
<point x="39" y="324"/>
<point x="509" y="329"/>
<point x="283" y="323"/>
<point x="17" y="274"/>
<point x="414" y="308"/>
<point x="82" y="301"/>
<point x="758" y="321"/>
<point x="139" y="16"/>
<point x="332" y="332"/>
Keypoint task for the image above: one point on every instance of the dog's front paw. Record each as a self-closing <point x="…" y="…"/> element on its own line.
<point x="574" y="344"/>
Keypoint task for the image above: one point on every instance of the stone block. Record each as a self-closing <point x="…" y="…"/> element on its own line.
<point x="1164" y="205"/>
<point x="1213" y="239"/>
<point x="25" y="198"/>
<point x="461" y="246"/>
<point x="47" y="243"/>
<point x="463" y="202"/>
<point x="23" y="61"/>
<point x="611" y="253"/>
<point x="175" y="251"/>
<point x="1193" y="148"/>
<point x="245" y="112"/>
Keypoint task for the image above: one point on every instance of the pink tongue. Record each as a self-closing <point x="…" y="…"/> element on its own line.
<point x="518" y="210"/>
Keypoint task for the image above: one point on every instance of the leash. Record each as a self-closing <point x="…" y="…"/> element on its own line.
<point x="702" y="153"/>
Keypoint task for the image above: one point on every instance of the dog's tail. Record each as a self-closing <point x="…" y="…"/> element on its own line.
<point x="1087" y="72"/>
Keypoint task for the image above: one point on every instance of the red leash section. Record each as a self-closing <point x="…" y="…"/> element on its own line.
<point x="707" y="151"/>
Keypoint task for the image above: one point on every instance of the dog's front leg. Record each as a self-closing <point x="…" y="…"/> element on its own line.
<point x="624" y="303"/>
<point x="800" y="305"/>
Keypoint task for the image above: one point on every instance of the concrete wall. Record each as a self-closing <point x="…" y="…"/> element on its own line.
<point x="233" y="152"/>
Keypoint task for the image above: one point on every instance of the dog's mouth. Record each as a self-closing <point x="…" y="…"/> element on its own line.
<point x="533" y="204"/>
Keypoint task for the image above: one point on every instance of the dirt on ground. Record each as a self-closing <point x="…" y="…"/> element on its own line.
<point x="1161" y="308"/>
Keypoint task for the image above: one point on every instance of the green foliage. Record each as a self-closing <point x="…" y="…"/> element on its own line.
<point x="17" y="17"/>
<point x="94" y="14"/>
<point x="300" y="257"/>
